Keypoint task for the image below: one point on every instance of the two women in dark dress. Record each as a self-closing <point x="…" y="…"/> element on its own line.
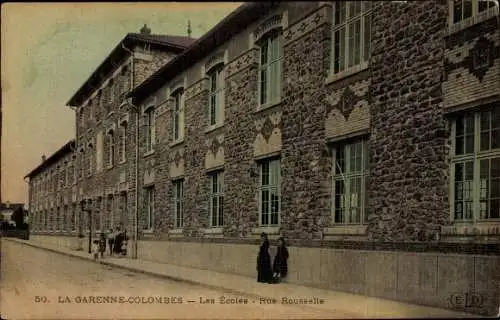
<point x="280" y="265"/>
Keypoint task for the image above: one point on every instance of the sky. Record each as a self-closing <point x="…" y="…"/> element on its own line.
<point x="49" y="50"/>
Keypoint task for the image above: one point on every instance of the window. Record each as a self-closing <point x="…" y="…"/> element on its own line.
<point x="123" y="142"/>
<point x="90" y="157"/>
<point x="179" y="203"/>
<point x="476" y="165"/>
<point x="73" y="218"/>
<point x="65" y="218"/>
<point x="463" y="9"/>
<point x="111" y="148"/>
<point x="216" y="181"/>
<point x="350" y="175"/>
<point x="270" y="192"/>
<point x="81" y="163"/>
<point x="98" y="105"/>
<point x="109" y="211"/>
<point x="57" y="224"/>
<point x="150" y="127"/>
<point x="350" y="34"/>
<point x="111" y="90"/>
<point x="124" y="208"/>
<point x="216" y="95"/>
<point x="96" y="214"/>
<point x="271" y="55"/>
<point x="178" y="115"/>
<point x="149" y="198"/>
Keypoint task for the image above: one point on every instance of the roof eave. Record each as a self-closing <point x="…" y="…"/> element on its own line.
<point x="66" y="148"/>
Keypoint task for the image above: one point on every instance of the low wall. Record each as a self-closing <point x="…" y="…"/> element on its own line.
<point x="65" y="241"/>
<point x="460" y="282"/>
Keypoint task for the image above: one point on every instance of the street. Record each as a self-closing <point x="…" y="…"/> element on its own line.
<point x="40" y="284"/>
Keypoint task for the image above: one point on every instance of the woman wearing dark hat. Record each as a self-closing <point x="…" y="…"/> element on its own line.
<point x="280" y="265"/>
<point x="264" y="271"/>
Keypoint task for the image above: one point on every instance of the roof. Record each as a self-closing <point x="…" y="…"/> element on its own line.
<point x="175" y="44"/>
<point x="64" y="150"/>
<point x="227" y="28"/>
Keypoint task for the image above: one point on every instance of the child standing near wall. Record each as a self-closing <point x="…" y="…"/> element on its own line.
<point x="95" y="249"/>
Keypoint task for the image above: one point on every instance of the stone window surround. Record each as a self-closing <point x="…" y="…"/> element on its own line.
<point x="332" y="77"/>
<point x="178" y="88"/>
<point x="148" y="114"/>
<point x="468" y="22"/>
<point x="110" y="134"/>
<point x="475" y="226"/>
<point x="123" y="125"/>
<point x="273" y="21"/>
<point x="219" y="174"/>
<point x="214" y="61"/>
<point x="178" y="199"/>
<point x="272" y="159"/>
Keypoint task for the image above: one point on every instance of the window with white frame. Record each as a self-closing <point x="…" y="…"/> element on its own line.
<point x="149" y="198"/>
<point x="149" y="115"/>
<point x="350" y="34"/>
<point x="271" y="56"/>
<point x="476" y="166"/>
<point x="463" y="9"/>
<point x="111" y="147"/>
<point x="178" y="193"/>
<point x="123" y="141"/>
<point x="270" y="192"/>
<point x="216" y="95"/>
<point x="216" y="205"/>
<point x="178" y="115"/>
<point x="350" y="179"/>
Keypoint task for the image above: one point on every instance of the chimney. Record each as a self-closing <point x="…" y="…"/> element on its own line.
<point x="44" y="158"/>
<point x="145" y="29"/>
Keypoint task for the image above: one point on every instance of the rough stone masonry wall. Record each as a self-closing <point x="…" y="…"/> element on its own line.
<point x="195" y="182"/>
<point x="408" y="168"/>
<point x="240" y="205"/>
<point x="305" y="190"/>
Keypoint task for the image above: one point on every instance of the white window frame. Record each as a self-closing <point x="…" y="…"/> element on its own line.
<point x="347" y="175"/>
<point x="149" y="193"/>
<point x="178" y="195"/>
<point x="272" y="68"/>
<point x="215" y="95"/>
<point x="475" y="157"/>
<point x="149" y="114"/>
<point x="178" y="114"/>
<point x="216" y="187"/>
<point x="272" y="187"/>
<point x="347" y="25"/>
<point x="475" y="17"/>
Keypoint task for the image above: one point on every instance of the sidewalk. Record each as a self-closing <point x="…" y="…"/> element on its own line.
<point x="345" y="303"/>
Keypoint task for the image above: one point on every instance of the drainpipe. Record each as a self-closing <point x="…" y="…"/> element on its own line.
<point x="136" y="110"/>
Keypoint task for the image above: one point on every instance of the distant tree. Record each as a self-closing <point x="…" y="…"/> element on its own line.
<point x="18" y="217"/>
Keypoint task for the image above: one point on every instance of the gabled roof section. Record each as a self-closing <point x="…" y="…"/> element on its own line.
<point x="232" y="24"/>
<point x="168" y="43"/>
<point x="64" y="150"/>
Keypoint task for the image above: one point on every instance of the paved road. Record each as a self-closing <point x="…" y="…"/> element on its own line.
<point x="39" y="284"/>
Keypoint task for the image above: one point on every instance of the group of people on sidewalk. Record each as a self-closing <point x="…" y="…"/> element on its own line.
<point x="279" y="269"/>
<point x="117" y="242"/>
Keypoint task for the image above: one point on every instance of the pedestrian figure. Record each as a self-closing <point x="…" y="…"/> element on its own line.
<point x="124" y="243"/>
<point x="264" y="271"/>
<point x="280" y="264"/>
<point x="102" y="244"/>
<point x="117" y="243"/>
<point x="95" y="249"/>
<point x="111" y="239"/>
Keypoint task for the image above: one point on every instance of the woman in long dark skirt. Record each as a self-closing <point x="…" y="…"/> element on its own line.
<point x="280" y="264"/>
<point x="117" y="249"/>
<point x="264" y="271"/>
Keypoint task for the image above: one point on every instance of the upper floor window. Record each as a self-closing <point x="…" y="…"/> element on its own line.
<point x="216" y="181"/>
<point x="475" y="169"/>
<point x="81" y="163"/>
<point x="111" y="90"/>
<point x="123" y="141"/>
<point x="150" y="127"/>
<point x="216" y="95"/>
<point x="350" y="174"/>
<point x="463" y="9"/>
<point x="350" y="34"/>
<point x="90" y="158"/>
<point x="271" y="54"/>
<point x="178" y="115"/>
<point x="270" y="192"/>
<point x="111" y="148"/>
